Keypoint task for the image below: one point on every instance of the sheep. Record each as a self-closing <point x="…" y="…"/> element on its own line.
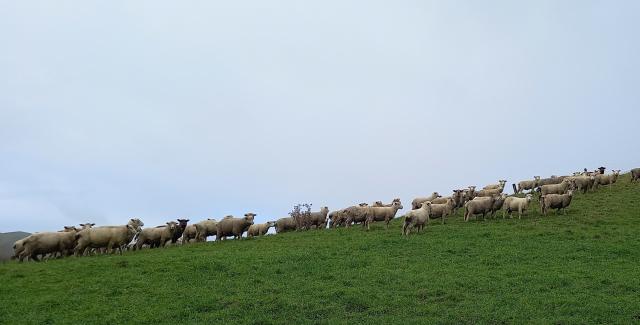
<point x="383" y="214"/>
<point x="513" y="203"/>
<point x="379" y="204"/>
<point x="487" y="193"/>
<point x="635" y="174"/>
<point x="44" y="243"/>
<point x="415" y="204"/>
<point x="528" y="185"/>
<point x="206" y="228"/>
<point x="480" y="205"/>
<point x="316" y="219"/>
<point x="260" y="229"/>
<point x="158" y="236"/>
<point x="439" y="210"/>
<point x="107" y="237"/>
<point x="189" y="234"/>
<point x="555" y="201"/>
<point x="182" y="225"/>
<point x="458" y="199"/>
<point x="498" y="202"/>
<point x="605" y="179"/>
<point x="286" y="224"/>
<point x="234" y="226"/>
<point x="357" y="214"/>
<point x="551" y="180"/>
<point x="416" y="219"/>
<point x="563" y="187"/>
<point x="583" y="183"/>
<point x="500" y="184"/>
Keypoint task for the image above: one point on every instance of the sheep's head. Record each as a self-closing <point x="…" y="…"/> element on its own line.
<point x="397" y="205"/>
<point x="270" y="224"/>
<point x="249" y="217"/>
<point x="529" y="197"/>
<point x="537" y="178"/>
<point x="472" y="188"/>
<point x="136" y="222"/>
<point x="364" y="204"/>
<point x="172" y="226"/>
<point x="86" y="225"/>
<point x="183" y="223"/>
<point x="378" y="204"/>
<point x="69" y="229"/>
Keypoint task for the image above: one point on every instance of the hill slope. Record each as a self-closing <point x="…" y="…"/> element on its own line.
<point x="578" y="268"/>
<point x="6" y="243"/>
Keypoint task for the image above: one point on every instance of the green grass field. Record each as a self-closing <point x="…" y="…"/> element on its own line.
<point x="580" y="268"/>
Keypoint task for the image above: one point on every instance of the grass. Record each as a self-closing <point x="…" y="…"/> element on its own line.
<point x="580" y="268"/>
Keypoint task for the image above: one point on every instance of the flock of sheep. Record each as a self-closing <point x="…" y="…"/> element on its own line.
<point x="555" y="192"/>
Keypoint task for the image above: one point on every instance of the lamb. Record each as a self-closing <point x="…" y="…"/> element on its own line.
<point x="383" y="214"/>
<point x="635" y="174"/>
<point x="519" y="204"/>
<point x="563" y="187"/>
<point x="439" y="210"/>
<point x="500" y="184"/>
<point x="107" y="237"/>
<point x="260" y="229"/>
<point x="528" y="185"/>
<point x="416" y="219"/>
<point x="555" y="201"/>
<point x="480" y="205"/>
<point x="605" y="179"/>
<point x="417" y="202"/>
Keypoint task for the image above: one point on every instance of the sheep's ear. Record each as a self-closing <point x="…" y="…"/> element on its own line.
<point x="92" y="224"/>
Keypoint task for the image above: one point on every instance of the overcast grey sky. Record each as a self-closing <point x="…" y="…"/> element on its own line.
<point x="165" y="109"/>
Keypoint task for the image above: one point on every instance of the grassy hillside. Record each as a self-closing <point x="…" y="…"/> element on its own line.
<point x="580" y="268"/>
<point x="6" y="243"/>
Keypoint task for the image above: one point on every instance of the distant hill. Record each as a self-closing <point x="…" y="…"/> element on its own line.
<point x="6" y="243"/>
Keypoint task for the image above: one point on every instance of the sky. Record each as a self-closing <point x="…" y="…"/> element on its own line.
<point x="163" y="109"/>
